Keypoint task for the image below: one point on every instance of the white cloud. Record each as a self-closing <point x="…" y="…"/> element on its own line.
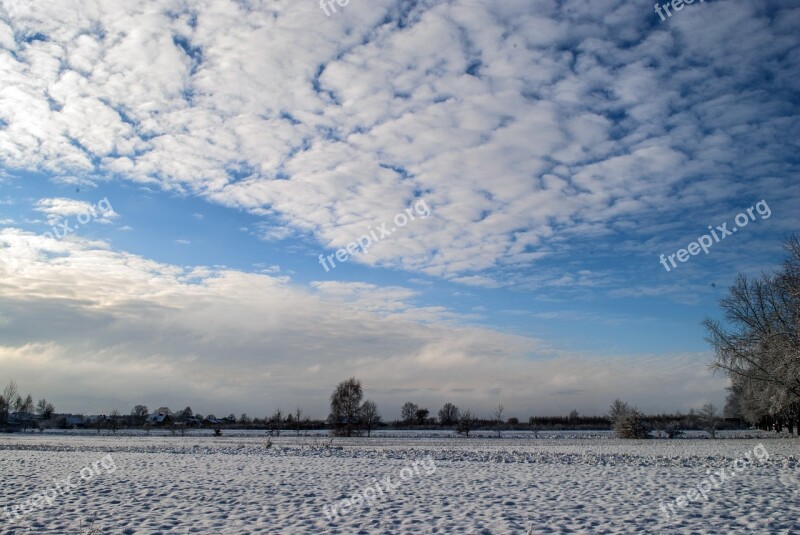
<point x="58" y="209"/>
<point x="234" y="341"/>
<point x="268" y="232"/>
<point x="269" y="270"/>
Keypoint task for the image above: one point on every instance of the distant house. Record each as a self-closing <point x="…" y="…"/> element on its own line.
<point x="159" y="419"/>
<point x="208" y="422"/>
<point x="193" y="422"/>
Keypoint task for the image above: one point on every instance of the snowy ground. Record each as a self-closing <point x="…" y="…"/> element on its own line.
<point x="556" y="483"/>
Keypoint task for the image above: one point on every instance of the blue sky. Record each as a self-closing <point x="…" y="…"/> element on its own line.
<point x="561" y="148"/>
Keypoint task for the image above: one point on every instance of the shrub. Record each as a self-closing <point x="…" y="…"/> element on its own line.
<point x="627" y="422"/>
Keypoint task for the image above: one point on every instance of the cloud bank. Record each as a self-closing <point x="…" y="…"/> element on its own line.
<point x="78" y="318"/>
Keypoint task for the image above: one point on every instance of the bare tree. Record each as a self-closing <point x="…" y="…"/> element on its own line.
<point x="10" y="395"/>
<point x="709" y="420"/>
<point x="275" y="422"/>
<point x="618" y="410"/>
<point x="497" y="416"/>
<point x="113" y="420"/>
<point x="27" y="404"/>
<point x="298" y="419"/>
<point x="45" y="409"/>
<point x="408" y="412"/>
<point x="758" y="344"/>
<point x="41" y="409"/>
<point x="534" y="427"/>
<point x="466" y="422"/>
<point x="370" y="416"/>
<point x="346" y="406"/>
<point x="24" y="407"/>
<point x="18" y="404"/>
<point x="448" y="414"/>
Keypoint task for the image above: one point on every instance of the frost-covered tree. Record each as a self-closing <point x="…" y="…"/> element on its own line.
<point x="627" y="422"/>
<point x="617" y="410"/>
<point x="757" y="343"/>
<point x="709" y="420"/>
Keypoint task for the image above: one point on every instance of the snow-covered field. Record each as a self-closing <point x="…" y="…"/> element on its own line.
<point x="554" y="483"/>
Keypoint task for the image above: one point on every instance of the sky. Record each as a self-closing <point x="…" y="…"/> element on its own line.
<point x="177" y="179"/>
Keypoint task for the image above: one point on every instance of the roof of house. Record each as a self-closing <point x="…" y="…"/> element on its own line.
<point x="158" y="418"/>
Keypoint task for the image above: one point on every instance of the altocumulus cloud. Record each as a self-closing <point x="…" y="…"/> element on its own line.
<point x="523" y="124"/>
<point x="165" y="334"/>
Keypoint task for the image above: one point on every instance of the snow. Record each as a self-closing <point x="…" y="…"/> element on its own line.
<point x="246" y="482"/>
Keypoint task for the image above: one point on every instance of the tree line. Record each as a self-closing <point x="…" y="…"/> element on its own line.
<point x="14" y="408"/>
<point x="349" y="416"/>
